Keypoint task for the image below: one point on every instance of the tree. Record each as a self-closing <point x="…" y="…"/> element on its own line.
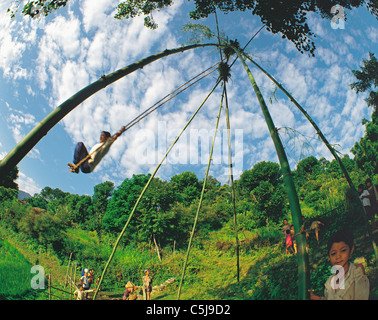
<point x="366" y="150"/>
<point x="367" y="80"/>
<point x="122" y="202"/>
<point x="261" y="185"/>
<point x="7" y="194"/>
<point x="50" y="194"/>
<point x="261" y="171"/>
<point x="8" y="181"/>
<point x="37" y="201"/>
<point x="157" y="200"/>
<point x="102" y="193"/>
<point x="334" y="169"/>
<point x="186" y="187"/>
<point x="46" y="228"/>
<point x="306" y="169"/>
<point x="286" y="17"/>
<point x="80" y="209"/>
<point x="289" y="17"/>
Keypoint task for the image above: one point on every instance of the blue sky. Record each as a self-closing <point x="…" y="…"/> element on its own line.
<point x="43" y="62"/>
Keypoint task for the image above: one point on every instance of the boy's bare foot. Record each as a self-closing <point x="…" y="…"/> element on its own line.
<point x="73" y="168"/>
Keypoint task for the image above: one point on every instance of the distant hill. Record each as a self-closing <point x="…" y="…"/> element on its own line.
<point x="22" y="195"/>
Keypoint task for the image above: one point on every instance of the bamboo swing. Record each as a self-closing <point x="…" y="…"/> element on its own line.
<point x="153" y="108"/>
<point x="224" y="74"/>
<point x="146" y="187"/>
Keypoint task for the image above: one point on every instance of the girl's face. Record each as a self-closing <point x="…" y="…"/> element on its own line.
<point x="340" y="253"/>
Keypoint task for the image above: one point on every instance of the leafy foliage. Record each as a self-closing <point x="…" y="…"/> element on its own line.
<point x="367" y="80"/>
<point x="36" y="8"/>
<point x="366" y="150"/>
<point x="9" y="180"/>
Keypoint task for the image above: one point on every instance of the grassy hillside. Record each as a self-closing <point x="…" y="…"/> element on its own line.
<point x="14" y="272"/>
<point x="266" y="272"/>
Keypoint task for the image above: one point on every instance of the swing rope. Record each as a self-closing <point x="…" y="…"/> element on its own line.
<point x="146" y="187"/>
<point x="153" y="108"/>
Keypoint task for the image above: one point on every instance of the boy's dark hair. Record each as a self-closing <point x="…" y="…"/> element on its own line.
<point x="107" y="134"/>
<point x="287" y="231"/>
<point x="344" y="235"/>
<point x="368" y="180"/>
<point x="360" y="186"/>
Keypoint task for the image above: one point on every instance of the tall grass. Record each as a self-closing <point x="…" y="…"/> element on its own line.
<point x="15" y="273"/>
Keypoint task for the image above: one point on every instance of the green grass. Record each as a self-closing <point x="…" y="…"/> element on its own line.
<point x="15" y="273"/>
<point x="265" y="271"/>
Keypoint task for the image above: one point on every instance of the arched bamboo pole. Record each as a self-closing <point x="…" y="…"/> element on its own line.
<point x="302" y="257"/>
<point x="43" y="127"/>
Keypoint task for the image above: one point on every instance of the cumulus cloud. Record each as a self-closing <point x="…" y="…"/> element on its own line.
<point x="27" y="184"/>
<point x="17" y="121"/>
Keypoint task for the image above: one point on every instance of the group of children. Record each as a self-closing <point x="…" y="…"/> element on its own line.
<point x="84" y="287"/>
<point x="87" y="278"/>
<point x="369" y="197"/>
<point x="289" y="233"/>
<point x="130" y="294"/>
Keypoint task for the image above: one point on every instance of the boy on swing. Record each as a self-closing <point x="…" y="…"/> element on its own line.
<point x="88" y="161"/>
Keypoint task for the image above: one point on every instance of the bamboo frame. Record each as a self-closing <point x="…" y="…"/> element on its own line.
<point x="145" y="189"/>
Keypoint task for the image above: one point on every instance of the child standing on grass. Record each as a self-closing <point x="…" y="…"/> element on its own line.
<point x="289" y="242"/>
<point x="349" y="281"/>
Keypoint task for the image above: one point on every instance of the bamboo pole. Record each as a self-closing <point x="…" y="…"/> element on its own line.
<point x="68" y="267"/>
<point x="49" y="285"/>
<point x="43" y="127"/>
<point x="157" y="248"/>
<point x="145" y="189"/>
<point x="74" y="277"/>
<point x="199" y="205"/>
<point x="302" y="257"/>
<point x="232" y="183"/>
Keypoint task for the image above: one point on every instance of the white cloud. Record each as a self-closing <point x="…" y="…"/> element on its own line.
<point x="372" y="34"/>
<point x="11" y="51"/>
<point x="327" y="55"/>
<point x="27" y="184"/>
<point x="292" y="79"/>
<point x="18" y="122"/>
